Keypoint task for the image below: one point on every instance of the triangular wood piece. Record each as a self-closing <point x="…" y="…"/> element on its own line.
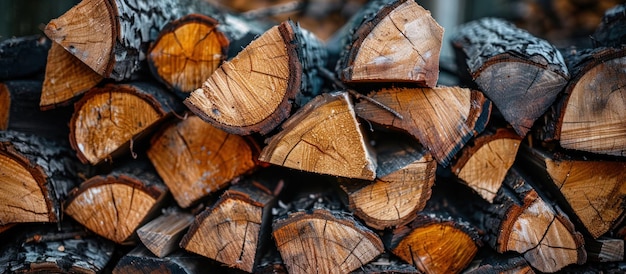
<point x="162" y="235"/>
<point x="443" y="118"/>
<point x="323" y="137"/>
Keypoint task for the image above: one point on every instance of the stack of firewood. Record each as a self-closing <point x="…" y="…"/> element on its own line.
<point x="203" y="139"/>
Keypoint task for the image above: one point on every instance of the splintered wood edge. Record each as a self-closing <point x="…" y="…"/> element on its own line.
<point x="5" y="106"/>
<point x="161" y="235"/>
<point x="281" y="238"/>
<point x="88" y="206"/>
<point x="162" y="62"/>
<point x="98" y="18"/>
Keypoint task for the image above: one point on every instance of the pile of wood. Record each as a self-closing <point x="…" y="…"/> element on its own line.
<point x="202" y="139"/>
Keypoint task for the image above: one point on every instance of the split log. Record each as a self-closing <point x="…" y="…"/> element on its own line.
<point x="524" y="222"/>
<point x="108" y="119"/>
<point x="395" y="41"/>
<point x="484" y="164"/>
<point x="435" y="244"/>
<point x="594" y="189"/>
<point x="36" y="174"/>
<point x="591" y="116"/>
<point x="405" y="175"/>
<point x="443" y="119"/>
<point x="283" y="65"/>
<point x="23" y="56"/>
<point x="45" y="248"/>
<point x="162" y="235"/>
<point x="186" y="52"/>
<point x="19" y="111"/>
<point x="611" y="32"/>
<point x="308" y="140"/>
<point x="605" y="250"/>
<point x="235" y="230"/>
<point x="196" y="159"/>
<point x="115" y="205"/>
<point x="140" y="261"/>
<point x="520" y="73"/>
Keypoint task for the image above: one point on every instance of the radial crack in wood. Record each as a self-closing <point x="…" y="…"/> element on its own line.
<point x="308" y="140"/>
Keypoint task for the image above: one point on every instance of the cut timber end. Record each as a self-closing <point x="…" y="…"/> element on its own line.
<point x="443" y="118"/>
<point x="162" y="235"/>
<point x="229" y="101"/>
<point x="187" y="52"/>
<point x="196" y="159"/>
<point x="401" y="43"/>
<point x="5" y="106"/>
<point x="66" y="77"/>
<point x="74" y="31"/>
<point x="324" y="137"/>
<point x="320" y="242"/>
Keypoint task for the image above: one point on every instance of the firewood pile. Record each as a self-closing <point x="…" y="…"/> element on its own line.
<point x="309" y="137"/>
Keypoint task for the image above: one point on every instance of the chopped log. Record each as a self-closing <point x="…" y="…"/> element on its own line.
<point x="23" y="56"/>
<point x="520" y="73"/>
<point x="591" y="115"/>
<point x="36" y="174"/>
<point x="196" y="159"/>
<point x="524" y="222"/>
<point x="324" y="241"/>
<point x="395" y="41"/>
<point x="594" y="189"/>
<point x="140" y="261"/>
<point x="186" y="52"/>
<point x="405" y="175"/>
<point x="605" y="250"/>
<point x="19" y="111"/>
<point x="484" y="164"/>
<point x="108" y="119"/>
<point x="235" y="230"/>
<point x="115" y="205"/>
<point x="162" y="235"/>
<point x="435" y="244"/>
<point x="611" y="32"/>
<point x="44" y="248"/>
<point x="443" y="119"/>
<point x="66" y="78"/>
<point x="308" y="140"/>
<point x="283" y="65"/>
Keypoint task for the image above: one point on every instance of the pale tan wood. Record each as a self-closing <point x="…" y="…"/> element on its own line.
<point x="21" y="198"/>
<point x="162" y="235"/>
<point x="309" y="140"/>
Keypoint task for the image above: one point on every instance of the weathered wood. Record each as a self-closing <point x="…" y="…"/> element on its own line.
<point x="395" y="41"/>
<point x="36" y="175"/>
<point x="610" y="32"/>
<point x="386" y="264"/>
<point x="235" y="230"/>
<point x="605" y="250"/>
<point x="520" y="73"/>
<point x="405" y="175"/>
<point x="115" y="205"/>
<point x="483" y="164"/>
<point x="259" y="88"/>
<point x="140" y="261"/>
<point x="496" y="264"/>
<point x="308" y="140"/>
<point x="443" y="119"/>
<point x="162" y="235"/>
<point x="23" y="56"/>
<point x="196" y="159"/>
<point x="108" y="119"/>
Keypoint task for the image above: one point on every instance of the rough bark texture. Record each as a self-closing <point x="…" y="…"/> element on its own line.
<point x="140" y="261"/>
<point x="23" y="56"/>
<point x="611" y="32"/>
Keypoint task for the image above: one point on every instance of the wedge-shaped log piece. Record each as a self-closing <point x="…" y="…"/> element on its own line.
<point x="443" y="119"/>
<point x="36" y="175"/>
<point x="235" y="230"/>
<point x="322" y="242"/>
<point x="520" y="73"/>
<point x="256" y="90"/>
<point x="405" y="175"/>
<point x="196" y="159"/>
<point x="392" y="42"/>
<point x="309" y="140"/>
<point x="140" y="261"/>
<point x="162" y="235"/>
<point x="595" y="190"/>
<point x="187" y="51"/>
<point x="108" y="118"/>
<point x="523" y="222"/>
<point x="435" y="244"/>
<point x="114" y="206"/>
<point x="484" y="164"/>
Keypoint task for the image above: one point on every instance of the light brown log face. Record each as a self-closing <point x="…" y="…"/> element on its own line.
<point x="188" y="52"/>
<point x="5" y="107"/>
<point x="196" y="159"/>
<point x="162" y="235"/>
<point x="595" y="114"/>
<point x="21" y="197"/>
